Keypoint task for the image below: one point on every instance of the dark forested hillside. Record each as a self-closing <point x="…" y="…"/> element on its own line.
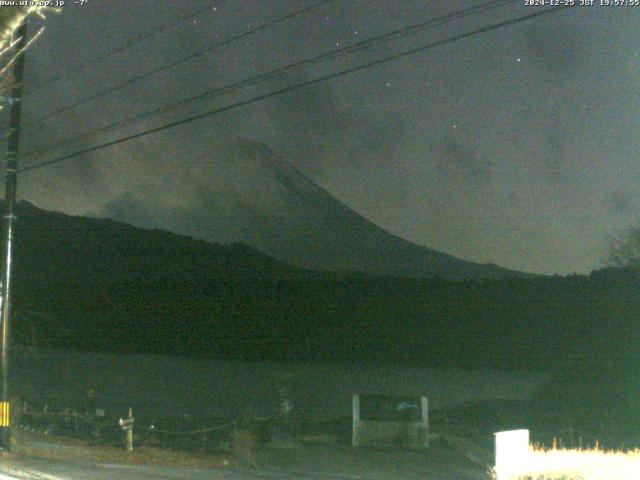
<point x="509" y="323"/>
<point x="54" y="247"/>
<point x="100" y="285"/>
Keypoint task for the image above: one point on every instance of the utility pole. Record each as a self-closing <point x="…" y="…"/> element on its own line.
<point x="13" y="138"/>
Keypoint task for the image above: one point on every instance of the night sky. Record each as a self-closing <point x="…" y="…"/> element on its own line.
<point x="517" y="146"/>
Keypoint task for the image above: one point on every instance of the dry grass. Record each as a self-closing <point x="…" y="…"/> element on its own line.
<point x="245" y="447"/>
<point x="249" y="439"/>
<point x="574" y="464"/>
<point x="48" y="446"/>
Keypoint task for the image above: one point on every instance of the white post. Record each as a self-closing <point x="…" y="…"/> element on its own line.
<point x="130" y="433"/>
<point x="424" y="403"/>
<point x="355" y="439"/>
<point x="512" y="450"/>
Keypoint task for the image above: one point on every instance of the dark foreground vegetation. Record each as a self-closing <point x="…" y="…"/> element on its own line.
<point x="584" y="330"/>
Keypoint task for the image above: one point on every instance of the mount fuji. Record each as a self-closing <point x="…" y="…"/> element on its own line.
<point x="244" y="192"/>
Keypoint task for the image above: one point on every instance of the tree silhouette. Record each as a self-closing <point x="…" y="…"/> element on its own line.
<point x="624" y="249"/>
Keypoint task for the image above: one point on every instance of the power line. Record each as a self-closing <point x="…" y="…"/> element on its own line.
<point x="384" y="38"/>
<point x="189" y="57"/>
<point x="135" y="40"/>
<point x="298" y="86"/>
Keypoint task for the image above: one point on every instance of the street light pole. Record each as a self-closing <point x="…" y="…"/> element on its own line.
<point x="13" y="138"/>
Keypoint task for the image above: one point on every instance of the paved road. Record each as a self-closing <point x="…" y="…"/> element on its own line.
<point x="317" y="462"/>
